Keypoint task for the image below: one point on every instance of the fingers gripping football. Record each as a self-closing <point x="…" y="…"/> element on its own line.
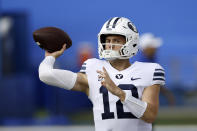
<point x="56" y="53"/>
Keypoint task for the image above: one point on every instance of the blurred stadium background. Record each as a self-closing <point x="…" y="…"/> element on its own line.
<point x="27" y="104"/>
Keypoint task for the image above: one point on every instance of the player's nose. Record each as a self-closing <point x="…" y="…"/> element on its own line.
<point x="108" y="45"/>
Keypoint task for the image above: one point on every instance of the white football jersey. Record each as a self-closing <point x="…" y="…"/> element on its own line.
<point x="109" y="112"/>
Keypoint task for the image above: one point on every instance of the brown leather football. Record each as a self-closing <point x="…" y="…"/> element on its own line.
<point x="51" y="38"/>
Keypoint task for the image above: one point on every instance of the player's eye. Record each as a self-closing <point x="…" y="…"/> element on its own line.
<point x="116" y="41"/>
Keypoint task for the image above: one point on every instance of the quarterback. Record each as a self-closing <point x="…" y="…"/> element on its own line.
<point x="125" y="95"/>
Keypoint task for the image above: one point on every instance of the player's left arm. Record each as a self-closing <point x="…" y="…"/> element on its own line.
<point x="146" y="108"/>
<point x="151" y="97"/>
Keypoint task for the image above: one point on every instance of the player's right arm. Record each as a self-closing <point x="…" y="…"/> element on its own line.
<point x="81" y="84"/>
<point x="61" y="78"/>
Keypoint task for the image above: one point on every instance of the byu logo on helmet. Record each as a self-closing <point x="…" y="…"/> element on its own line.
<point x="132" y="27"/>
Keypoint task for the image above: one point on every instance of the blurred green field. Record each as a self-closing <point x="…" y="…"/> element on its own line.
<point x="166" y="116"/>
<point x="177" y="116"/>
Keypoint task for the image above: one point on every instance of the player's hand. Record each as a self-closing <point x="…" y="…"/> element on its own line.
<point x="110" y="85"/>
<point x="56" y="53"/>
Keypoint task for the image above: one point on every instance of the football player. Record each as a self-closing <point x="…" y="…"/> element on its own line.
<point x="125" y="96"/>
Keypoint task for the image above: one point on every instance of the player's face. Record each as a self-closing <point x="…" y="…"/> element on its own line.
<point x="114" y="42"/>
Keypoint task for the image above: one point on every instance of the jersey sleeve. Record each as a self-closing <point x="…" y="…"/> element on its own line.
<point x="83" y="67"/>
<point x="158" y="75"/>
<point x="87" y="65"/>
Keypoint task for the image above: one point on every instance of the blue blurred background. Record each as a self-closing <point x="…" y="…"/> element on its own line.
<point x="24" y="100"/>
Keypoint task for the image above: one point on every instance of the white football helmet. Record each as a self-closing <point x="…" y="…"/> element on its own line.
<point x="118" y="26"/>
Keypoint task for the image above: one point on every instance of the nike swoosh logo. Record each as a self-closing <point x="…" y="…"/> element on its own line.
<point x="134" y="78"/>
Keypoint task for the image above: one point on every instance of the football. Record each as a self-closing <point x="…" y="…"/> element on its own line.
<point x="51" y="39"/>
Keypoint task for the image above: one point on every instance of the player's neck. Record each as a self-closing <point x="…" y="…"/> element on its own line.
<point x="120" y="64"/>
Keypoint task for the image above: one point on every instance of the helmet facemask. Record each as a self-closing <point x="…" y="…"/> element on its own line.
<point x="107" y="50"/>
<point x="110" y="54"/>
<point x="122" y="28"/>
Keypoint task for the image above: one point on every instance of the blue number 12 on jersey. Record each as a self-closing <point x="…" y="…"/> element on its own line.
<point x="119" y="106"/>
